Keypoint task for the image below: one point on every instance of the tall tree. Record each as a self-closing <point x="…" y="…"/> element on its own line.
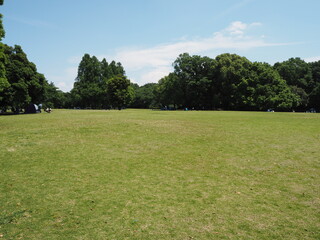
<point x="116" y="68"/>
<point x="171" y="90"/>
<point x="89" y="89"/>
<point x="295" y="71"/>
<point x="269" y="90"/>
<point x="26" y="84"/>
<point x="298" y="76"/>
<point x="233" y="74"/>
<point x="119" y="91"/>
<point x="106" y="71"/>
<point x="88" y="83"/>
<point x="4" y="84"/>
<point x="196" y="77"/>
<point x="314" y="96"/>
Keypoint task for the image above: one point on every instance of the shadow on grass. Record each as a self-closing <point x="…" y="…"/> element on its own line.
<point x="10" y="218"/>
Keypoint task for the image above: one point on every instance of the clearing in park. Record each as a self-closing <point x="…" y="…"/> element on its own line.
<point x="142" y="174"/>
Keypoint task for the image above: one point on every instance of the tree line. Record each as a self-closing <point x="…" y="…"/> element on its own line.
<point x="98" y="85"/>
<point x="232" y="82"/>
<point x="228" y="82"/>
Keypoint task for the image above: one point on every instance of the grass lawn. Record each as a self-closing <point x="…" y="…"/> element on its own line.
<point x="142" y="174"/>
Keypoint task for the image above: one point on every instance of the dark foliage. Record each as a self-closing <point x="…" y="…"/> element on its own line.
<point x="232" y="82"/>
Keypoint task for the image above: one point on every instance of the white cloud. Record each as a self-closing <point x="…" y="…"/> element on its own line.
<point x="145" y="65"/>
<point x="312" y="59"/>
<point x="237" y="28"/>
<point x="64" y="81"/>
<point x="151" y="64"/>
<point x="156" y="73"/>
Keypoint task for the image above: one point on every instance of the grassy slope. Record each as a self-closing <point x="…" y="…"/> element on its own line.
<point x="139" y="174"/>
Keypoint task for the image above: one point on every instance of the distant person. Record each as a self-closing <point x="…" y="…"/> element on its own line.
<point x="48" y="110"/>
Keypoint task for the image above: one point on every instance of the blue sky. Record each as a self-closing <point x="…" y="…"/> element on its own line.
<point x="146" y="36"/>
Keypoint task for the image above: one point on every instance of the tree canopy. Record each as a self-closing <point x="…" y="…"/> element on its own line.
<point x="4" y="84"/>
<point x="232" y="82"/>
<point x="26" y="85"/>
<point x="90" y="88"/>
<point x="119" y="91"/>
<point x="229" y="82"/>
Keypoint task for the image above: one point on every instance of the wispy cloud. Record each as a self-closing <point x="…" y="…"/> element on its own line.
<point x="65" y="80"/>
<point x="32" y="22"/>
<point x="150" y="64"/>
<point x="312" y="59"/>
<point x="238" y="28"/>
<point x="233" y="8"/>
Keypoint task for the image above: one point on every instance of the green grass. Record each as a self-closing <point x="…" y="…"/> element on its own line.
<point x="142" y="174"/>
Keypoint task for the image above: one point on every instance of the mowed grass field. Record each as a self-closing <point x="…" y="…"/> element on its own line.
<point x="142" y="174"/>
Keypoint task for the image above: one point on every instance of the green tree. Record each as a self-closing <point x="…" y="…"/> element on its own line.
<point x="26" y="84"/>
<point x="54" y="98"/>
<point x="119" y="91"/>
<point x="233" y="77"/>
<point x="196" y="79"/>
<point x="295" y="71"/>
<point x="145" y="96"/>
<point x="4" y="84"/>
<point x="88" y="86"/>
<point x="170" y="91"/>
<point x="298" y="76"/>
<point x="269" y="90"/>
<point x="229" y="81"/>
<point x="106" y="71"/>
<point x="89" y="89"/>
<point x="116" y="69"/>
<point x="314" y="96"/>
